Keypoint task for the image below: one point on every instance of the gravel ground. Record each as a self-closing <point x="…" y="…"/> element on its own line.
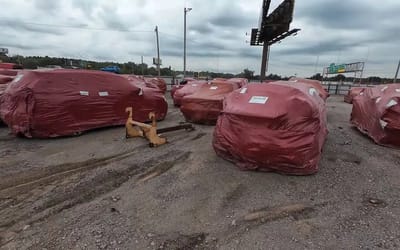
<point x="101" y="191"/>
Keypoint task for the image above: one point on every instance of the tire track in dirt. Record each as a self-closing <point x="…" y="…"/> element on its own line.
<point x="86" y="190"/>
<point x="256" y="218"/>
<point x="26" y="180"/>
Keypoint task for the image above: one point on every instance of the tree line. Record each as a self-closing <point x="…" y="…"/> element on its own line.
<point x="343" y="78"/>
<point x="33" y="62"/>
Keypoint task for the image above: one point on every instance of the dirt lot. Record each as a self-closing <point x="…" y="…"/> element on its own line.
<point x="101" y="191"/>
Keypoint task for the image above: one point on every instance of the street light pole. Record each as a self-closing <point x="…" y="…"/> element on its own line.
<point x="158" y="51"/>
<point x="397" y="73"/>
<point x="141" y="65"/>
<point x="185" y="10"/>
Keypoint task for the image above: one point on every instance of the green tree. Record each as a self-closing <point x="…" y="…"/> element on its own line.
<point x="246" y="74"/>
<point x="317" y="76"/>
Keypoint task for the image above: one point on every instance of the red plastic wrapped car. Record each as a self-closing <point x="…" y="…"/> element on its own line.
<point x="377" y="113"/>
<point x="66" y="102"/>
<point x="278" y="126"/>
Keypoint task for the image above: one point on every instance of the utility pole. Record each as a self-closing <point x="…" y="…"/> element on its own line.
<point x="264" y="61"/>
<point x="397" y="73"/>
<point x="142" y="66"/>
<point x="185" y="10"/>
<point x="316" y="64"/>
<point x="158" y="51"/>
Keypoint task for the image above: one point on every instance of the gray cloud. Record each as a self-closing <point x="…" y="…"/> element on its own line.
<point x="21" y="26"/>
<point x="111" y="19"/>
<point x="18" y="46"/>
<point x="102" y="30"/>
<point x="352" y="15"/>
<point x="202" y="28"/>
<point x="231" y="21"/>
<point x="87" y="7"/>
<point x="47" y="6"/>
<point x="323" y="47"/>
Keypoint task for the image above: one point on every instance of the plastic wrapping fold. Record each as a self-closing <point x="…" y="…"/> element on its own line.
<point x="174" y="88"/>
<point x="376" y="112"/>
<point x="157" y="82"/>
<point x="66" y="102"/>
<point x="4" y="79"/>
<point x="154" y="83"/>
<point x="354" y="91"/>
<point x="278" y="126"/>
<point x="188" y="89"/>
<point x="313" y="83"/>
<point x="239" y="81"/>
<point x="9" y="72"/>
<point x="205" y="105"/>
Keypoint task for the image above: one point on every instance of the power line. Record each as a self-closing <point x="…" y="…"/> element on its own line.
<point x="8" y="22"/>
<point x="177" y="37"/>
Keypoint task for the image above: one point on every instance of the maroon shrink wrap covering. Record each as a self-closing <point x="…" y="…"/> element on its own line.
<point x="376" y="112"/>
<point x="157" y="82"/>
<point x="9" y="72"/>
<point x="154" y="83"/>
<point x="10" y="66"/>
<point x="239" y="81"/>
<point x="205" y="105"/>
<point x="278" y="126"/>
<point x="2" y="89"/>
<point x="313" y="83"/>
<point x="66" y="102"/>
<point x="188" y="89"/>
<point x="5" y="79"/>
<point x="174" y="88"/>
<point x="354" y="91"/>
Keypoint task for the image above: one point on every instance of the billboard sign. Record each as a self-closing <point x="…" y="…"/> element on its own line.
<point x="344" y="68"/>
<point x="275" y="26"/>
<point x="156" y="62"/>
<point x="3" y="51"/>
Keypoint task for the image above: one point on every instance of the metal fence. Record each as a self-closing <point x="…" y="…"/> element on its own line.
<point x="341" y="89"/>
<point x="337" y="89"/>
<point x="332" y="88"/>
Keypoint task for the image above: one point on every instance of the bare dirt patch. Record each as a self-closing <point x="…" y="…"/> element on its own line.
<point x="101" y="191"/>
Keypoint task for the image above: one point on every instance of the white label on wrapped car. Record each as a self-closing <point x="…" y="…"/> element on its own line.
<point x="259" y="99"/>
<point x="214" y="87"/>
<point x="243" y="90"/>
<point x="383" y="123"/>
<point x="362" y="93"/>
<point x="141" y="92"/>
<point x="378" y="99"/>
<point x="85" y="93"/>
<point x="391" y="103"/>
<point x="194" y="84"/>
<point x="104" y="93"/>
<point x="398" y="90"/>
<point x="312" y="91"/>
<point x="384" y="88"/>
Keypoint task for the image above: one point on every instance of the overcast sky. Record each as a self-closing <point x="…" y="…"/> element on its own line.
<point x="123" y="30"/>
